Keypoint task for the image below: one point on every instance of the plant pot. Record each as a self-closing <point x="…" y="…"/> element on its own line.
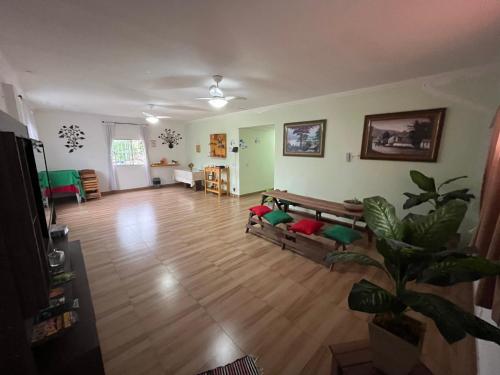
<point x="351" y="205"/>
<point x="392" y="354"/>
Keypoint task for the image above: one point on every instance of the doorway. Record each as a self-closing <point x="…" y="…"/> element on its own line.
<point x="256" y="159"/>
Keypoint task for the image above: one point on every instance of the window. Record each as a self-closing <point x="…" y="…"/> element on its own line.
<point x="128" y="152"/>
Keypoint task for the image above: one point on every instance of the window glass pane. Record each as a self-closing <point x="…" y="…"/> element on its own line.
<point x="128" y="152"/>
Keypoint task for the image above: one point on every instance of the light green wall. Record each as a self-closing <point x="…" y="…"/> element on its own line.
<point x="256" y="162"/>
<point x="463" y="144"/>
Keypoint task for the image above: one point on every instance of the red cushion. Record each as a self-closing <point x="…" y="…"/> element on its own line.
<point x="307" y="226"/>
<point x="260" y="210"/>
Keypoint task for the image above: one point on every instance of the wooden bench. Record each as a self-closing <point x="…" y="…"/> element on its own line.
<point x="284" y="200"/>
<point x="314" y="247"/>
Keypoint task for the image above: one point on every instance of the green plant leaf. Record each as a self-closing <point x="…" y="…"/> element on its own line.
<point x="415" y="200"/>
<point x="410" y="217"/>
<point x="422" y="181"/>
<point x="370" y="298"/>
<point x="450" y="180"/>
<point x="435" y="229"/>
<point x="453" y="322"/>
<point x="352" y="257"/>
<point x="461" y="194"/>
<point x="381" y="217"/>
<point x="452" y="270"/>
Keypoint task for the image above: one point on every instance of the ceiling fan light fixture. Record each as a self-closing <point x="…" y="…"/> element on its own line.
<point x="152" y="120"/>
<point x="218" y="102"/>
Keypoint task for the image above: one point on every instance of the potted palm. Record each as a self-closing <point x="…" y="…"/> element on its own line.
<point x="414" y="250"/>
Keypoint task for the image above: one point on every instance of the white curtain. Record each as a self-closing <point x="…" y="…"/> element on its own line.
<point x="144" y="134"/>
<point x="109" y="132"/>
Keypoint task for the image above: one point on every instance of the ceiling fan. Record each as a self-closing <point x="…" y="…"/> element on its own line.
<point x="217" y="98"/>
<point x="152" y="119"/>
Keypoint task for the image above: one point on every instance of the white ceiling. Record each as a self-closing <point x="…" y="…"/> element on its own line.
<point x="116" y="56"/>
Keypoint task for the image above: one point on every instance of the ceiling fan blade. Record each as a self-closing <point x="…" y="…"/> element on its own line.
<point x="229" y="98"/>
<point x="147" y="114"/>
<point x="204" y="98"/>
<point x="163" y="117"/>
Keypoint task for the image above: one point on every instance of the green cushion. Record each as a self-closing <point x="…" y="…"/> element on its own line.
<point x="277" y="217"/>
<point x="342" y="234"/>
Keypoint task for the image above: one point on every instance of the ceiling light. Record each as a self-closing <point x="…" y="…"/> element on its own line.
<point x="152" y="119"/>
<point x="218" y="102"/>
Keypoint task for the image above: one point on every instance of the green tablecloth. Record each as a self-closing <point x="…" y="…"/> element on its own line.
<point x="61" y="178"/>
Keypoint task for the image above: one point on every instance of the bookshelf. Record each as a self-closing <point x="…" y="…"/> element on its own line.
<point x="217" y="180"/>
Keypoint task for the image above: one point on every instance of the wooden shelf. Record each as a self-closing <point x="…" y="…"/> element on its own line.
<point x="90" y="183"/>
<point x="165" y="165"/>
<point x="214" y="181"/>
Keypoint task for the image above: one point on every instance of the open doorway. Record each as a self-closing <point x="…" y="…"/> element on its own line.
<point x="256" y="159"/>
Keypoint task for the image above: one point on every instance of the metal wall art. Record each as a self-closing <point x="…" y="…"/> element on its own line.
<point x="73" y="135"/>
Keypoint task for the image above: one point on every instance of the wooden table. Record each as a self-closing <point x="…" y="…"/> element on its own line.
<point x="355" y="358"/>
<point x="318" y="205"/>
<point x="283" y="199"/>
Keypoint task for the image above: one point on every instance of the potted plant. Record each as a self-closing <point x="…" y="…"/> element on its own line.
<point x="414" y="250"/>
<point x="433" y="195"/>
<point x="353" y="205"/>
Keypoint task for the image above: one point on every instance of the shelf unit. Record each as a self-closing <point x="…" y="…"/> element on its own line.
<point x="90" y="183"/>
<point x="217" y="180"/>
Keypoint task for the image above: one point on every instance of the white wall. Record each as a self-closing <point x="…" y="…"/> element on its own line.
<point x="10" y="89"/>
<point x="256" y="161"/>
<point x="94" y="153"/>
<point x="178" y="153"/>
<point x="462" y="148"/>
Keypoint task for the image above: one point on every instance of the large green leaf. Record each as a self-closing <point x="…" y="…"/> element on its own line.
<point x="403" y="261"/>
<point x="453" y="322"/>
<point x="370" y="298"/>
<point x="435" y="229"/>
<point x="380" y="216"/>
<point x="450" y="180"/>
<point x="416" y="199"/>
<point x="410" y="217"/>
<point x="422" y="181"/>
<point x="461" y="194"/>
<point x="453" y="270"/>
<point x="352" y="257"/>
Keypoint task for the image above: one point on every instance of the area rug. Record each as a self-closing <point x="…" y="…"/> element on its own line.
<point x="243" y="366"/>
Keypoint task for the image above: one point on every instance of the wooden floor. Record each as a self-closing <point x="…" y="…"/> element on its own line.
<point x="178" y="287"/>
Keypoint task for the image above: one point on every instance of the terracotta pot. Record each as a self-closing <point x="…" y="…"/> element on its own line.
<point x="392" y="354"/>
<point x="348" y="205"/>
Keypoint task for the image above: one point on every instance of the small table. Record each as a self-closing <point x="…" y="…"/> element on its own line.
<point x="355" y="358"/>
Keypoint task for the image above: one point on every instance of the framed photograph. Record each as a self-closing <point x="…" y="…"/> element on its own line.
<point x="218" y="145"/>
<point x="305" y="138"/>
<point x="407" y="136"/>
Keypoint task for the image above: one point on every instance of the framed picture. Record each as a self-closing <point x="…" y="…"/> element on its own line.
<point x="407" y="136"/>
<point x="218" y="145"/>
<point x="305" y="138"/>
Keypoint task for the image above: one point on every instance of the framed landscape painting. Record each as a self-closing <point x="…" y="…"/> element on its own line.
<point x="305" y="138"/>
<point x="407" y="136"/>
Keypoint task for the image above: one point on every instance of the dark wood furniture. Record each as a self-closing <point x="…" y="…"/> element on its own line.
<point x="24" y="237"/>
<point x="24" y="272"/>
<point x="355" y="358"/>
<point x="77" y="351"/>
